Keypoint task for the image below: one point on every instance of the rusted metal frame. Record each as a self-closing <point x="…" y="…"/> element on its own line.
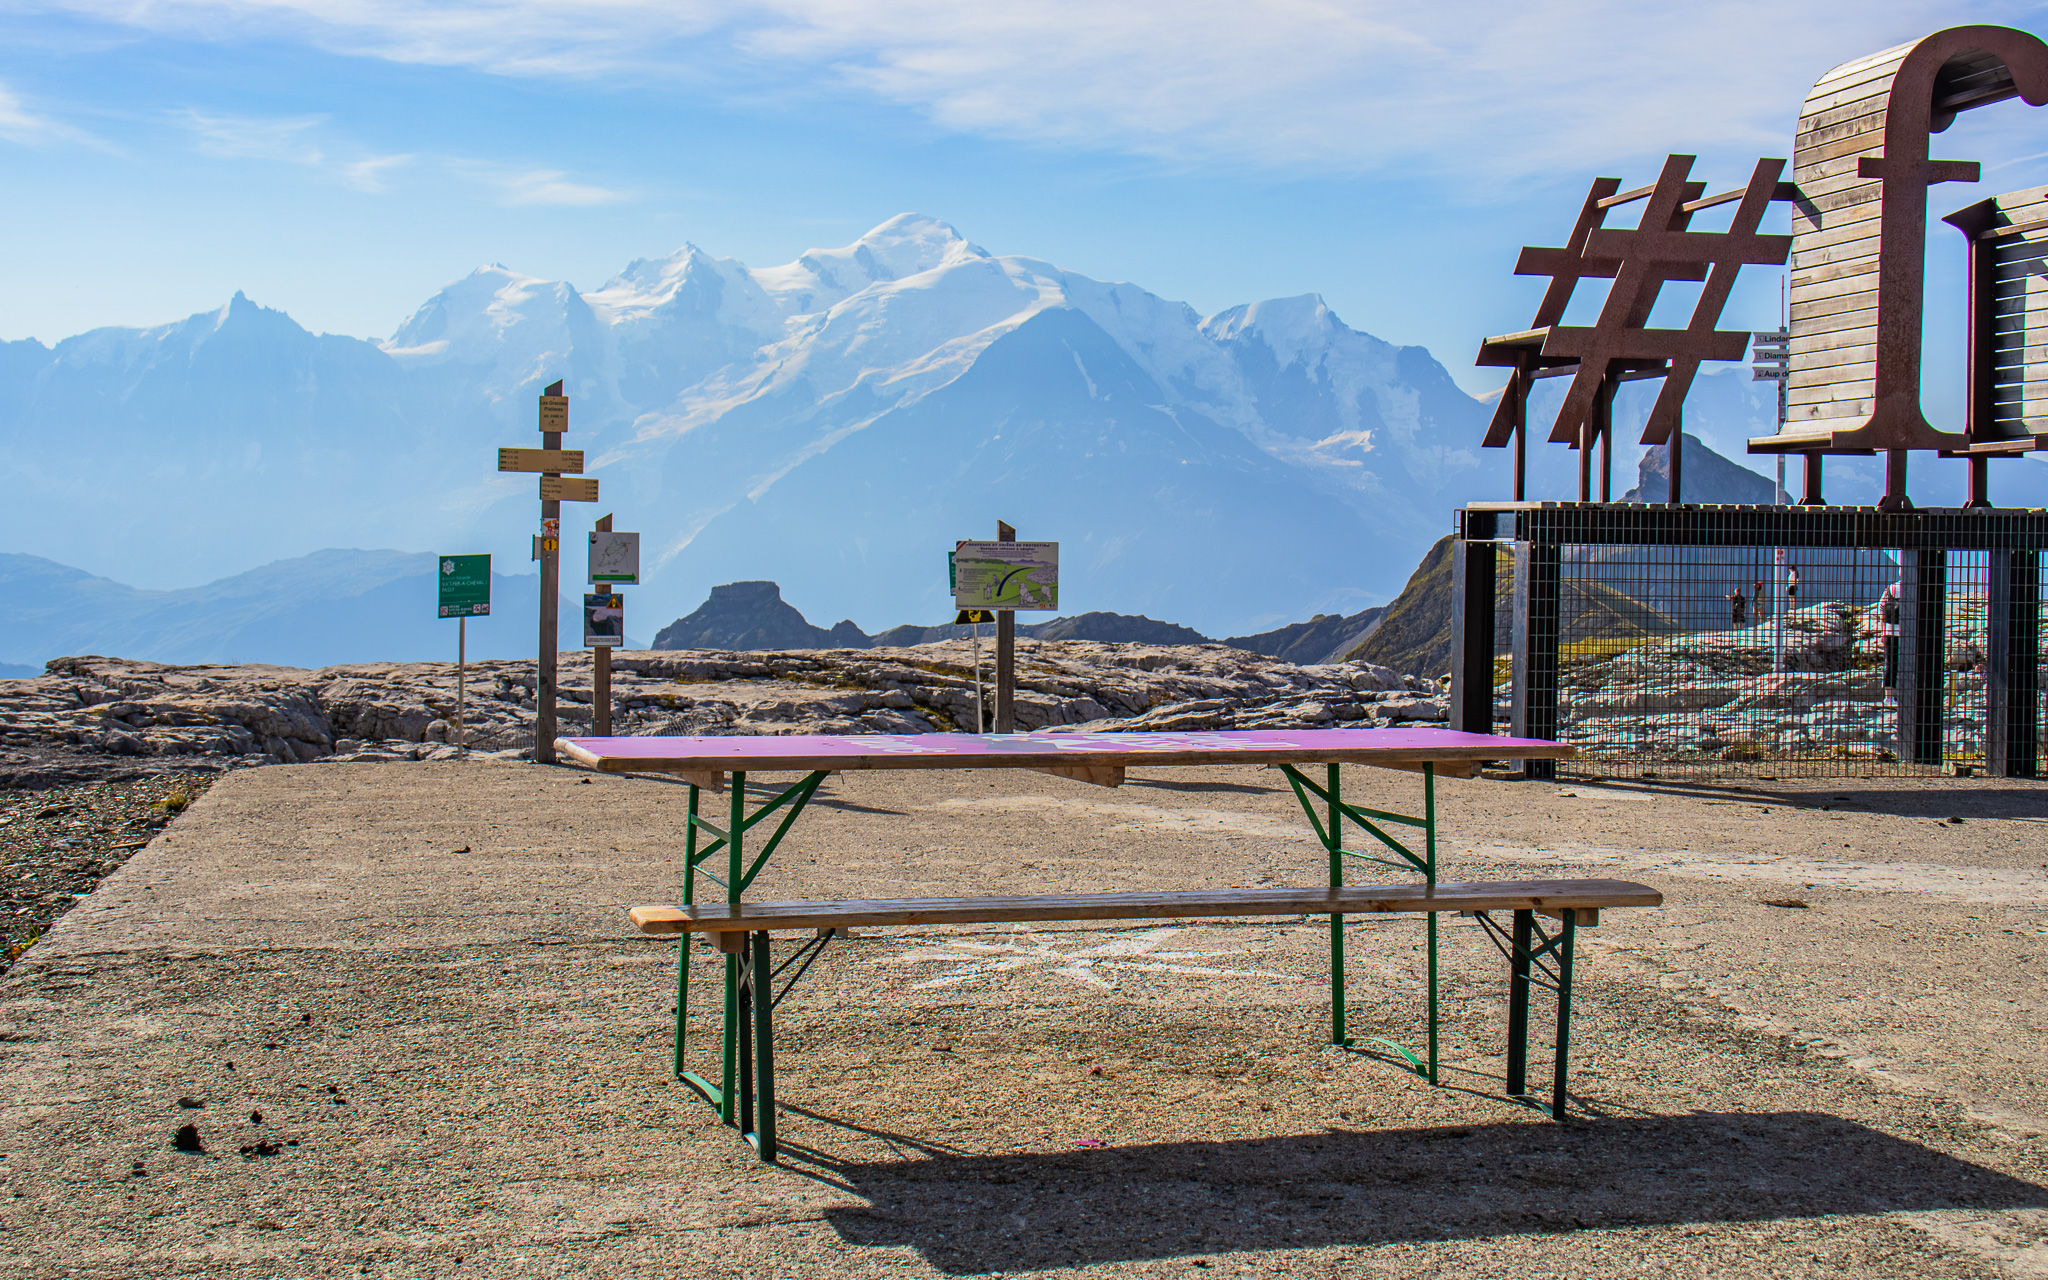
<point x="1633" y="295"/>
<point x="1756" y="198"/>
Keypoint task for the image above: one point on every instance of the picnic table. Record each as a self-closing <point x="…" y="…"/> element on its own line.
<point x="1309" y="759"/>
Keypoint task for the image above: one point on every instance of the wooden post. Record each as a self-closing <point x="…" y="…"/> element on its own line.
<point x="1472" y="628"/>
<point x="1538" y="573"/>
<point x="2011" y="666"/>
<point x="1006" y="654"/>
<point x="1923" y="646"/>
<point x="601" y="674"/>
<point x="550" y="595"/>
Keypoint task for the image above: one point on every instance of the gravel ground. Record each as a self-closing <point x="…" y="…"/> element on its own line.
<point x="59" y="844"/>
<point x="402" y="1011"/>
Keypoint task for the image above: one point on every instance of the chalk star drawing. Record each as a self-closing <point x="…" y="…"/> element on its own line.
<point x="1135" y="953"/>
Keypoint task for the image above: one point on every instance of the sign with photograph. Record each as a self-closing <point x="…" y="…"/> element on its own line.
<point x="604" y="619"/>
<point x="1006" y="575"/>
<point x="465" y="586"/>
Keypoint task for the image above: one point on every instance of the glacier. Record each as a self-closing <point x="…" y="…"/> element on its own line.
<point x="833" y="424"/>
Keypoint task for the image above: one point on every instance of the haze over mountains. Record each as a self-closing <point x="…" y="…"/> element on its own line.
<point x="833" y="424"/>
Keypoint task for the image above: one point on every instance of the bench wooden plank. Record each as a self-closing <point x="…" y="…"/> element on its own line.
<point x="1548" y="896"/>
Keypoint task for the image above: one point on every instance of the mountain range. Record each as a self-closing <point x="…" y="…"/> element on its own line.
<point x="834" y="424"/>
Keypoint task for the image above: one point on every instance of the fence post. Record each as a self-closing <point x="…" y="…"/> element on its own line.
<point x="1923" y="605"/>
<point x="1472" y="615"/>
<point x="2011" y="668"/>
<point x="1535" y="648"/>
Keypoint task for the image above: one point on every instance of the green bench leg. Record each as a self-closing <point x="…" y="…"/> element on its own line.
<point x="1523" y="954"/>
<point x="764" y="1051"/>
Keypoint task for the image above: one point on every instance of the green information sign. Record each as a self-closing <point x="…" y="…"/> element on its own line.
<point x="465" y="586"/>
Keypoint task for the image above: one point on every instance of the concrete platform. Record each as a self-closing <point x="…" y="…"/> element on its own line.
<point x="422" y="978"/>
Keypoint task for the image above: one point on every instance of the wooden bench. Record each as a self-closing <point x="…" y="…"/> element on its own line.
<point x="741" y="931"/>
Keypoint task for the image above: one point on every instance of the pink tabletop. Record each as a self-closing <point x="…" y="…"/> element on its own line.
<point x="1396" y="747"/>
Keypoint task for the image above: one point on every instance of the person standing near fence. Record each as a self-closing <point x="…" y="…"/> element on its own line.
<point x="1738" y="609"/>
<point x="1761" y="599"/>
<point x="1888" y="631"/>
<point x="1791" y="587"/>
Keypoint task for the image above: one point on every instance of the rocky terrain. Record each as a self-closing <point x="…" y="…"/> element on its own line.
<point x="94" y="718"/>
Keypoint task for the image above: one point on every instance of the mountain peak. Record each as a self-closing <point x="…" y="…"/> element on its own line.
<point x="910" y="243"/>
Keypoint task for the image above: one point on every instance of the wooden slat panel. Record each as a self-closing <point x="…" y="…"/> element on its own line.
<point x="1861" y="271"/>
<point x="1834" y="415"/>
<point x="1844" y="224"/>
<point x="1861" y="248"/>
<point x="1836" y="189"/>
<point x="1825" y="366"/>
<point x="1839" y="287"/>
<point x="1838" y="323"/>
<point x="1824" y="308"/>
<point x="1501" y="895"/>
<point x="1843" y="150"/>
<point x="1832" y="392"/>
<point x="1851" y="99"/>
<point x="1857" y="347"/>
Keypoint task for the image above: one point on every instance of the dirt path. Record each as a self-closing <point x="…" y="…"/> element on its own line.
<point x="421" y="978"/>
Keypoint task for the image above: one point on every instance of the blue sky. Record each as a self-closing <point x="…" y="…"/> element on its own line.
<point x="342" y="159"/>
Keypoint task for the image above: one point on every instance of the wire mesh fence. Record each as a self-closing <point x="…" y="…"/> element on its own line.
<point x="1757" y="660"/>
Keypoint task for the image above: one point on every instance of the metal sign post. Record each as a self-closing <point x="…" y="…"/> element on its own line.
<point x="465" y="592"/>
<point x="551" y="460"/>
<point x="974" y="618"/>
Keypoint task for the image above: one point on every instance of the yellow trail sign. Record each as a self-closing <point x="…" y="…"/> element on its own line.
<point x="554" y="413"/>
<point x="566" y="489"/>
<point x="568" y="461"/>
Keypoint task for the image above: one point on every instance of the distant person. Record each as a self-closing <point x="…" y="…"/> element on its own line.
<point x="1738" y="608"/>
<point x="1759" y="597"/>
<point x="1888" y="609"/>
<point x="1791" y="588"/>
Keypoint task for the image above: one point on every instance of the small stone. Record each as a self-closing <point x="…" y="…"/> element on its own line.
<point x="187" y="1139"/>
<point x="191" y="1104"/>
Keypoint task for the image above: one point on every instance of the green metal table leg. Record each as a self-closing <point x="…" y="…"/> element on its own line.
<point x="1334" y="845"/>
<point x="1429" y="872"/>
<point x="764" y="1051"/>
<point x="1518" y="1004"/>
<point x="683" y="943"/>
<point x="729" y="1069"/>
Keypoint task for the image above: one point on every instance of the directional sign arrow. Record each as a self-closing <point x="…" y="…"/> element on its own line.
<point x="566" y="489"/>
<point x="569" y="461"/>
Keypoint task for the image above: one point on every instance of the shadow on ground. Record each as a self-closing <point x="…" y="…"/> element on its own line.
<point x="1347" y="1187"/>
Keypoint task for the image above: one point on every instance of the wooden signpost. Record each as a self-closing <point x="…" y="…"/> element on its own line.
<point x="551" y="460"/>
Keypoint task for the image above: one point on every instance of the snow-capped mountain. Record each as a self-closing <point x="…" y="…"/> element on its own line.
<point x="833" y="424"/>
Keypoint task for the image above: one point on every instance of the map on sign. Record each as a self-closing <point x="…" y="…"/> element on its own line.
<point x="1006" y="575"/>
<point x="465" y="586"/>
<point x="615" y="558"/>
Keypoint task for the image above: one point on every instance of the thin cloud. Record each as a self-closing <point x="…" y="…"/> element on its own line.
<point x="1486" y="90"/>
<point x="289" y="140"/>
<point x="20" y="125"/>
<point x="549" y="186"/>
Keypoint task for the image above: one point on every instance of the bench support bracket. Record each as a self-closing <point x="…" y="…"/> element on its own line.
<point x="1330" y="826"/>
<point x="1527" y="947"/>
<point x="744" y="1094"/>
